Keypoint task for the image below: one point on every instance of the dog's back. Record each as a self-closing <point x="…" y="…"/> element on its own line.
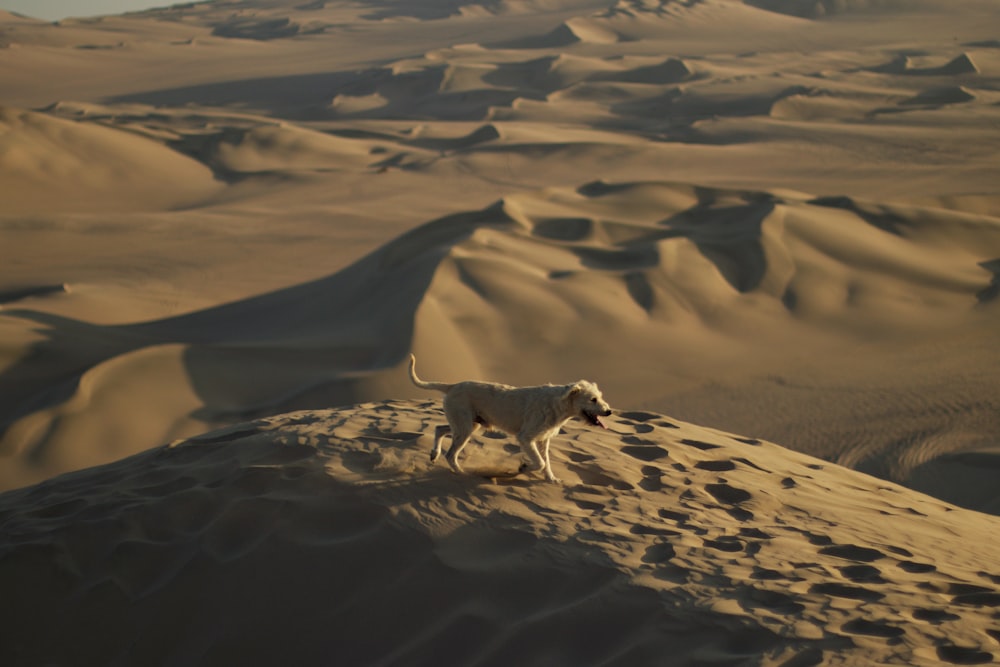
<point x="500" y="406"/>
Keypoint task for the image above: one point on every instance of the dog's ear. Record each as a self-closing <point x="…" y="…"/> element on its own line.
<point x="571" y="391"/>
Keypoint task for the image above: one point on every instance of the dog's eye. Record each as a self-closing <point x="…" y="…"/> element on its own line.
<point x="593" y="400"/>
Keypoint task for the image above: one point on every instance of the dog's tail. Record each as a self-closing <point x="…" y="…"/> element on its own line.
<point x="436" y="386"/>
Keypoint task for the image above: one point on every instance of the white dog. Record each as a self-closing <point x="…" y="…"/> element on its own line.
<point x="531" y="414"/>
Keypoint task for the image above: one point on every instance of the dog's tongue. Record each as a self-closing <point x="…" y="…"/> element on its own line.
<point x="599" y="422"/>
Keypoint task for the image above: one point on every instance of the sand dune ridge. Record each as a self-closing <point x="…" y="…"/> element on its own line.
<point x="672" y="529"/>
<point x="656" y="259"/>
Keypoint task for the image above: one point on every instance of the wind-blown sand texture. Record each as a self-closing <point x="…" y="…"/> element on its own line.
<point x="327" y="536"/>
<point x="777" y="218"/>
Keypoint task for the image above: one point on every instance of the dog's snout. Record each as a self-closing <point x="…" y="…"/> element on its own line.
<point x="607" y="413"/>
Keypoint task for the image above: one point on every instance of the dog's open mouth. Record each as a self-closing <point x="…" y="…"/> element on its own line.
<point x="593" y="420"/>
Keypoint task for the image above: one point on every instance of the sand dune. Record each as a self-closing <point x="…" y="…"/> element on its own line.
<point x="226" y="225"/>
<point x="732" y="278"/>
<point x="97" y="168"/>
<point x="905" y="64"/>
<point x="340" y="540"/>
<point x="765" y="224"/>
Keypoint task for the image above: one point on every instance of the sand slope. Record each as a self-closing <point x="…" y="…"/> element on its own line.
<point x="96" y="168"/>
<point x="328" y="535"/>
<point x="777" y="218"/>
<point x="736" y="279"/>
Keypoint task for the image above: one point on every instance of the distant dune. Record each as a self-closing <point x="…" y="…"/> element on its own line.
<point x="738" y="280"/>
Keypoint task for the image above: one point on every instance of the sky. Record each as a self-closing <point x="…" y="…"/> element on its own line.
<point x="54" y="10"/>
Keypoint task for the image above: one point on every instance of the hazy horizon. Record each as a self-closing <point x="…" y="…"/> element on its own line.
<point x="56" y="10"/>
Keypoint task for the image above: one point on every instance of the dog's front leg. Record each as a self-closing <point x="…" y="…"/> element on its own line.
<point x="535" y="460"/>
<point x="549" y="475"/>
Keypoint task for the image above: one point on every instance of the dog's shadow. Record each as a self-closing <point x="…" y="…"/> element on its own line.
<point x="402" y="458"/>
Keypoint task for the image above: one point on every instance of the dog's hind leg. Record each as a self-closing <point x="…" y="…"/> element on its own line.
<point x="459" y="438"/>
<point x="439" y="433"/>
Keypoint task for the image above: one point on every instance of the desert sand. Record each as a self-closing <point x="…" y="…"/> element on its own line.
<point x="772" y="218"/>
<point x="327" y="537"/>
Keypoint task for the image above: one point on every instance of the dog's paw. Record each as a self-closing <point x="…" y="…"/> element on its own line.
<point x="531" y="466"/>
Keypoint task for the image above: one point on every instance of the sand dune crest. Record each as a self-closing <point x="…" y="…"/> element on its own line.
<point x="714" y="547"/>
<point x="95" y="166"/>
<point x="904" y="64"/>
<point x="655" y="258"/>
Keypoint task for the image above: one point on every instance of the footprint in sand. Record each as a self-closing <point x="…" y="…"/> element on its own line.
<point x="860" y="626"/>
<point x="862" y="574"/>
<point x="935" y="615"/>
<point x="642" y="529"/>
<point x="652" y="479"/>
<point x="645" y="452"/>
<point x="659" y="556"/>
<point x="361" y="461"/>
<point x="642" y="417"/>
<point x="846" y="591"/>
<point x="727" y="494"/>
<point x="817" y="539"/>
<point x="726" y="543"/>
<point x="641" y="442"/>
<point x="659" y="553"/>
<point x="592" y="475"/>
<point x="767" y="574"/>
<point x="638" y="416"/>
<point x="699" y="444"/>
<point x="716" y="466"/>
<point x="755" y="534"/>
<point x="679" y="517"/>
<point x="959" y="655"/>
<point x="980" y="598"/>
<point x="852" y="552"/>
<point x="740" y="514"/>
<point x="775" y="601"/>
<point x="589" y="505"/>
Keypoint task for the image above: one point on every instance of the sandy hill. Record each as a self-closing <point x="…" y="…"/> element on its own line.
<point x="327" y="535"/>
<point x="776" y="218"/>
<point x="532" y="288"/>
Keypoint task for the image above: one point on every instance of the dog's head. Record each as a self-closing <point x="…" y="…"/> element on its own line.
<point x="587" y="404"/>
